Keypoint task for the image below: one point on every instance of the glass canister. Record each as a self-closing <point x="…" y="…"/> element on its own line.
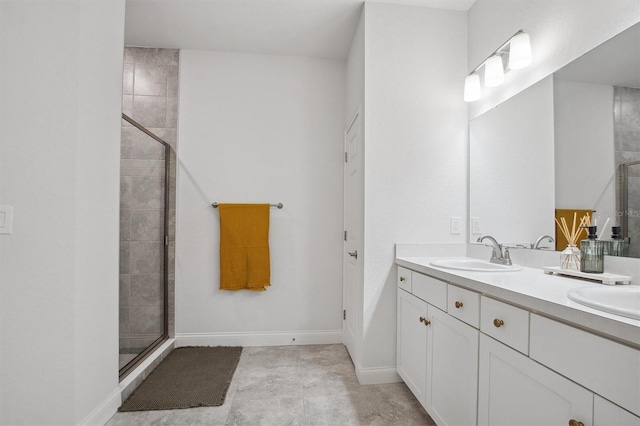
<point x="618" y="246"/>
<point x="592" y="253"/>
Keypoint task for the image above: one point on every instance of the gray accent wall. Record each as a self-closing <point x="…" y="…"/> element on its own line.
<point x="150" y="97"/>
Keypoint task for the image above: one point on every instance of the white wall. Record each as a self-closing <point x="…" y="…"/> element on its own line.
<point x="415" y="150"/>
<point x="511" y="172"/>
<point x="584" y="149"/>
<point x="560" y="32"/>
<point x="253" y="129"/>
<point x="60" y="85"/>
<point x="355" y="74"/>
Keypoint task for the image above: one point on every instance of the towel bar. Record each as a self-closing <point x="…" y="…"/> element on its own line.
<point x="279" y="205"/>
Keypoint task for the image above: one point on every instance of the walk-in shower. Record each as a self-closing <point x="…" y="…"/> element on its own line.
<point x="147" y="201"/>
<point x="144" y="238"/>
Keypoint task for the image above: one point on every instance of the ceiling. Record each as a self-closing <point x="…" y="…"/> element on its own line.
<point x="316" y="28"/>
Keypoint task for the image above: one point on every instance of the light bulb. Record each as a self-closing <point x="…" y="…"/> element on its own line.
<point x="519" y="51"/>
<point x="493" y="71"/>
<point x="472" y="90"/>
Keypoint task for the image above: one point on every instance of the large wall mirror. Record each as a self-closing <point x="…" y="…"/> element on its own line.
<point x="571" y="142"/>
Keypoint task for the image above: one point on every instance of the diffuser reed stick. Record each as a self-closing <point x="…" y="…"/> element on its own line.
<point x="570" y="257"/>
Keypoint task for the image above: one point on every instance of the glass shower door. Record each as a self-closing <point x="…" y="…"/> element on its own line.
<point x="143" y="244"/>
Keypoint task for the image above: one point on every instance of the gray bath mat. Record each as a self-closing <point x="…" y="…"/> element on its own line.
<point x="187" y="377"/>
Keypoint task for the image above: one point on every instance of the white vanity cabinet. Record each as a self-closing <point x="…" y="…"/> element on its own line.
<point x="473" y="358"/>
<point x="515" y="390"/>
<point x="437" y="354"/>
<point x="608" y="368"/>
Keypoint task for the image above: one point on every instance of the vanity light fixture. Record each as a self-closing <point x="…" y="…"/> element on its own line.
<point x="472" y="90"/>
<point x="493" y="71"/>
<point x="516" y="52"/>
<point x="519" y="51"/>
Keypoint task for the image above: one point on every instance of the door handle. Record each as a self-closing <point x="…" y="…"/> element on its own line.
<point x="353" y="253"/>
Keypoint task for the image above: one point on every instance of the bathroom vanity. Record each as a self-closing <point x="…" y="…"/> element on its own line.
<point x="509" y="348"/>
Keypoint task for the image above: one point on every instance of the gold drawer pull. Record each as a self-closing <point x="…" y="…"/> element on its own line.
<point x="574" y="422"/>
<point x="458" y="304"/>
<point x="427" y="322"/>
<point x="422" y="319"/>
<point x="498" y="322"/>
<point x="402" y="278"/>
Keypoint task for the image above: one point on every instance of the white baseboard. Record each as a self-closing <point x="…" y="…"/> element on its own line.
<point x="377" y="375"/>
<point x="102" y="413"/>
<point x="267" y="338"/>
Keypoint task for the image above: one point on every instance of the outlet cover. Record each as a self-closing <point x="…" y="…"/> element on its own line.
<point x="476" y="225"/>
<point x="6" y="219"/>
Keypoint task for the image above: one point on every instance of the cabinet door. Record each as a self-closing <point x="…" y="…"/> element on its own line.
<point x="515" y="390"/>
<point x="452" y="370"/>
<point x="606" y="413"/>
<point x="412" y="343"/>
<point x="608" y="368"/>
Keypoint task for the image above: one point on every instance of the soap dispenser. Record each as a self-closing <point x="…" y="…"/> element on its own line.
<point x="592" y="252"/>
<point x="618" y="246"/>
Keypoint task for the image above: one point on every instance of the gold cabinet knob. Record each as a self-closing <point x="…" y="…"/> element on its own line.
<point x="422" y="319"/>
<point x="402" y="278"/>
<point x="574" y="422"/>
<point x="498" y="322"/>
<point x="458" y="304"/>
<point x="427" y="322"/>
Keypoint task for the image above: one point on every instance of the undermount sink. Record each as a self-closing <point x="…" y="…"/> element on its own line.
<point x="619" y="300"/>
<point x="470" y="264"/>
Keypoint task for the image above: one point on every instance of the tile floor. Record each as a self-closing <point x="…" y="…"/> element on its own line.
<point x="296" y="385"/>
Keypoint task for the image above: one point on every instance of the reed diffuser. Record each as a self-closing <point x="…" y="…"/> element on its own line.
<point x="570" y="256"/>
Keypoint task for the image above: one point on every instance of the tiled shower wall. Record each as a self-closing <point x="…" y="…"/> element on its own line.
<point x="627" y="143"/>
<point x="150" y="97"/>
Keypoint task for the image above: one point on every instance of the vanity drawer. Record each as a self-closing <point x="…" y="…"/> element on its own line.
<point x="464" y="305"/>
<point x="431" y="290"/>
<point x="404" y="278"/>
<point x="608" y="368"/>
<point x="505" y="323"/>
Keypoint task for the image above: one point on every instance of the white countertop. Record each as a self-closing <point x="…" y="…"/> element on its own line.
<point x="537" y="292"/>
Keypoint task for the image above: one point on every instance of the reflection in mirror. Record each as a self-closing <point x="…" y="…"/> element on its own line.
<point x="511" y="184"/>
<point x="569" y="143"/>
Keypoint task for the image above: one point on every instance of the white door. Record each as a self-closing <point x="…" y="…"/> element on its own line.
<point x="353" y="218"/>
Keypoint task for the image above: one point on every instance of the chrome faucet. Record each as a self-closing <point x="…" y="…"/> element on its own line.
<point x="536" y="245"/>
<point x="497" y="256"/>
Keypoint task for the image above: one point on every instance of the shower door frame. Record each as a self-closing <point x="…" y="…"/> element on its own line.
<point x="131" y="365"/>
<point x="624" y="195"/>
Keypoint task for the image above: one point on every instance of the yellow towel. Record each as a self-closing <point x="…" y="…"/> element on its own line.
<point x="244" y="247"/>
<point x="561" y="241"/>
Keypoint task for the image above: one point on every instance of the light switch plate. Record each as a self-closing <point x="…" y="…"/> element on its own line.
<point x="6" y="219"/>
<point x="455" y="225"/>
